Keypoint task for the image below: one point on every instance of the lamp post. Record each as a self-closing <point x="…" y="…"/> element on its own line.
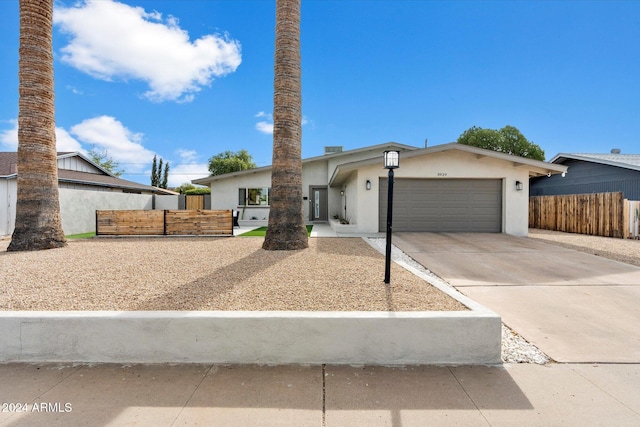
<point x="391" y="162"/>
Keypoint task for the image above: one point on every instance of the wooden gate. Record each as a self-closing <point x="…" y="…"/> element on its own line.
<point x="194" y="203"/>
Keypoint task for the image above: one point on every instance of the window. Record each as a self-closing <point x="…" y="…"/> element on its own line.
<point x="254" y="196"/>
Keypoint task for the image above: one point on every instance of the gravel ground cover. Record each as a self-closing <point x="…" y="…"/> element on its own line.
<point x="334" y="274"/>
<point x="623" y="250"/>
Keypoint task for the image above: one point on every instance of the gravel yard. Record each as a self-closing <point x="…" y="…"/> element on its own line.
<point x="623" y="250"/>
<point x="334" y="274"/>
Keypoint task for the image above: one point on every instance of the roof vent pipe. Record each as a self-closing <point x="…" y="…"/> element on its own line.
<point x="615" y="151"/>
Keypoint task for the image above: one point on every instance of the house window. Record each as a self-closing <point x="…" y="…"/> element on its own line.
<point x="254" y="196"/>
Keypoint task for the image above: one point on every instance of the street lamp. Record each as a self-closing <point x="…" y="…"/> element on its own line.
<point x="391" y="162"/>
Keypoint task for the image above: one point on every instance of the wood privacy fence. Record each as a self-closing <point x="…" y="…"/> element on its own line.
<point x="633" y="213"/>
<point x="598" y="214"/>
<point x="165" y="222"/>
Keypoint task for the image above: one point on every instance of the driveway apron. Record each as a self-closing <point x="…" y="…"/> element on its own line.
<point x="576" y="307"/>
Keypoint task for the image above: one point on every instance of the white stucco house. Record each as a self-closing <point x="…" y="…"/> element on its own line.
<point x="84" y="187"/>
<point x="444" y="188"/>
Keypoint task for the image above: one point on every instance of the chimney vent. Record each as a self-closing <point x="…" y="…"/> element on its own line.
<point x="331" y="149"/>
<point x="615" y="151"/>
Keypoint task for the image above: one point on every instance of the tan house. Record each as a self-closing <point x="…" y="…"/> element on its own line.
<point x="444" y="188"/>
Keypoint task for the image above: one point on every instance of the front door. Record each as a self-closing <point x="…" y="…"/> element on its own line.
<point x="319" y="204"/>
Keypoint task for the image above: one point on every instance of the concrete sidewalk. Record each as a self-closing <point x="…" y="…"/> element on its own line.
<point x="575" y="307"/>
<point x="164" y="395"/>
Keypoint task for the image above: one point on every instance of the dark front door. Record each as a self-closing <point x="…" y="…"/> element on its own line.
<point x="319" y="211"/>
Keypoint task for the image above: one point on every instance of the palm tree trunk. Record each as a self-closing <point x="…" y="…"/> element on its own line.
<point x="38" y="224"/>
<point x="286" y="229"/>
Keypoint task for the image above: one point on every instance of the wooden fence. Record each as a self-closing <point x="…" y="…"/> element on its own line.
<point x="599" y="214"/>
<point x="166" y="222"/>
<point x="632" y="211"/>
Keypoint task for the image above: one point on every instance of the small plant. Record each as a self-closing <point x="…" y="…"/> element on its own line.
<point x="345" y="220"/>
<point x="335" y="216"/>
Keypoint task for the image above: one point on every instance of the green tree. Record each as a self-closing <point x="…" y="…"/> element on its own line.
<point x="184" y="187"/>
<point x="159" y="178"/>
<point x="103" y="159"/>
<point x="508" y="140"/>
<point x="286" y="227"/>
<point x="38" y="223"/>
<point x="230" y="161"/>
<point x="155" y="175"/>
<point x="165" y="176"/>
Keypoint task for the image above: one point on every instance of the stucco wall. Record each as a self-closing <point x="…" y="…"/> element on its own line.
<point x="167" y="202"/>
<point x="447" y="165"/>
<point x="78" y="207"/>
<point x="8" y="193"/>
<point x="224" y="193"/>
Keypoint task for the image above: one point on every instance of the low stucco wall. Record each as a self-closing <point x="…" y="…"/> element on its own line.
<point x="78" y="207"/>
<point x="378" y="338"/>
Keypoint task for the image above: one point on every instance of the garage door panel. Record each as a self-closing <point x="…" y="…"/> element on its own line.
<point x="446" y="205"/>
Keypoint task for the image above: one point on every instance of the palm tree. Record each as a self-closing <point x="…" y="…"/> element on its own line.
<point x="38" y="224"/>
<point x="286" y="229"/>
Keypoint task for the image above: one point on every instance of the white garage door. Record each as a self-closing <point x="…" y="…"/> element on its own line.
<point x="443" y="205"/>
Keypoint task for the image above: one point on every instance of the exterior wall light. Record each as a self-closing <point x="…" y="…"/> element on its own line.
<point x="368" y="185"/>
<point x="519" y="185"/>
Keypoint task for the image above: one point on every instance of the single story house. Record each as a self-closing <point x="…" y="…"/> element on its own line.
<point x="592" y="173"/>
<point x="84" y="187"/>
<point x="444" y="188"/>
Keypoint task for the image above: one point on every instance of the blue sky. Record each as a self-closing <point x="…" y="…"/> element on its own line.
<point x="188" y="79"/>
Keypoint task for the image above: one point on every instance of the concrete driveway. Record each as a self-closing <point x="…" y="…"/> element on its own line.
<point x="574" y="306"/>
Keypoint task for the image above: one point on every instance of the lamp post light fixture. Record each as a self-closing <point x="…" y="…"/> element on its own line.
<point x="391" y="162"/>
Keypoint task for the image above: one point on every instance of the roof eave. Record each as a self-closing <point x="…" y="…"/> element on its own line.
<point x="568" y="156"/>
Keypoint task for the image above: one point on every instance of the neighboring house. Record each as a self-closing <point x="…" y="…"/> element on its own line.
<point x="84" y="187"/>
<point x="450" y="187"/>
<point x="592" y="173"/>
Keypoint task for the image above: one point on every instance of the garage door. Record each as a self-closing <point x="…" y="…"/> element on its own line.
<point x="446" y="205"/>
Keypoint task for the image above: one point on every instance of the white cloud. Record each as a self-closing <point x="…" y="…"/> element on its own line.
<point x="266" y="126"/>
<point x="112" y="40"/>
<point x="185" y="172"/>
<point x="188" y="156"/>
<point x="105" y="133"/>
<point x="9" y="137"/>
<point x="64" y="141"/>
